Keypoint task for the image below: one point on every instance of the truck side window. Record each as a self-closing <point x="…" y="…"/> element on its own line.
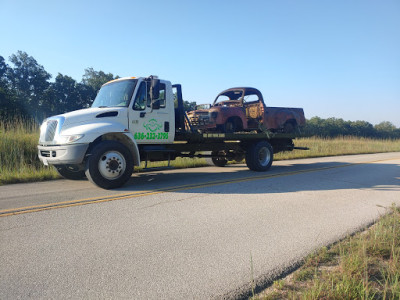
<point x="162" y="96"/>
<point x="141" y="98"/>
<point x="253" y="98"/>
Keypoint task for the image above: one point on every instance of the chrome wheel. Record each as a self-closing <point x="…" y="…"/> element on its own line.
<point x="112" y="165"/>
<point x="264" y="156"/>
<point x="259" y="156"/>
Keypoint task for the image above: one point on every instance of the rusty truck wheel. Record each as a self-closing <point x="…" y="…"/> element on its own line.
<point x="233" y="125"/>
<point x="230" y="127"/>
<point x="259" y="156"/>
<point x="110" y="165"/>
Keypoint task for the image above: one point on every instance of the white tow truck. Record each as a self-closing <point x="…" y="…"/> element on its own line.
<point x="142" y="119"/>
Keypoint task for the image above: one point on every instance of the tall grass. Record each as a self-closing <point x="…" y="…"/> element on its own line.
<point x="320" y="147"/>
<point x="18" y="153"/>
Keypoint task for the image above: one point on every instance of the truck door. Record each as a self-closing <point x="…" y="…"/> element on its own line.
<point x="151" y="125"/>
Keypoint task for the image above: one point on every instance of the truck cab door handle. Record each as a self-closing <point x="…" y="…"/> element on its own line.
<point x="142" y="114"/>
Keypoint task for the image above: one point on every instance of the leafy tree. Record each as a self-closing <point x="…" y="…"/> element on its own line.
<point x="332" y="127"/>
<point x="30" y="81"/>
<point x="387" y="130"/>
<point x="95" y="79"/>
<point x="65" y="94"/>
<point x="60" y="95"/>
<point x="3" y="71"/>
<point x="85" y="95"/>
<point x="8" y="103"/>
<point x="362" y="128"/>
<point x="188" y="106"/>
<point x="385" y="126"/>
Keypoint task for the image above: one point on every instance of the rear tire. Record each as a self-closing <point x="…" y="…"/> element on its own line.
<point x="110" y="165"/>
<point x="219" y="161"/>
<point x="71" y="172"/>
<point x="259" y="156"/>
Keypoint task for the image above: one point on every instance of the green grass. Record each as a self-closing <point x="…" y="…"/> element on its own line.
<point x="363" y="266"/>
<point x="18" y="154"/>
<point x="19" y="161"/>
<point x="320" y="147"/>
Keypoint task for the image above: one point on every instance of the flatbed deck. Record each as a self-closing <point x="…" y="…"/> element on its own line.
<point x="236" y="136"/>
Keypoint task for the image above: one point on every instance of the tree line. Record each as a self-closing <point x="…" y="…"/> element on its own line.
<point x="25" y="89"/>
<point x="333" y="127"/>
<point x="27" y="92"/>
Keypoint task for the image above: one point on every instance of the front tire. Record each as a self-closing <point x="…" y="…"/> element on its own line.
<point x="72" y="172"/>
<point x="110" y="165"/>
<point x="259" y="156"/>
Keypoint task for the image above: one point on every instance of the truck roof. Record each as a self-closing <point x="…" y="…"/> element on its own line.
<point x="246" y="91"/>
<point x="128" y="78"/>
<point x="119" y="79"/>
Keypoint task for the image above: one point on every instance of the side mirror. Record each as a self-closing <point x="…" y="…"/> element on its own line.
<point x="155" y="104"/>
<point x="155" y="89"/>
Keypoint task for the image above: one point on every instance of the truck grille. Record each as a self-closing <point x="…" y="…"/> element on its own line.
<point x="199" y="120"/>
<point x="50" y="130"/>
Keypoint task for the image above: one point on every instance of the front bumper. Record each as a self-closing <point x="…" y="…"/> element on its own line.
<point x="63" y="154"/>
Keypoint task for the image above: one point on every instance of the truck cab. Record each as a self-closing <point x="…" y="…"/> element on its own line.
<point x="131" y="112"/>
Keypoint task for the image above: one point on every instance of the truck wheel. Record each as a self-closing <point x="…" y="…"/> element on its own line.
<point x="219" y="161"/>
<point x="110" y="165"/>
<point x="259" y="156"/>
<point x="72" y="172"/>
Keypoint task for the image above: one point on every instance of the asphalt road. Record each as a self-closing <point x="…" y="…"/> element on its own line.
<point x="185" y="234"/>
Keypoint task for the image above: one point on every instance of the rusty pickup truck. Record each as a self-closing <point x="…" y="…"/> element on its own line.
<point x="243" y="109"/>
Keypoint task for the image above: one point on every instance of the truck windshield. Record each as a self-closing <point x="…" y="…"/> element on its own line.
<point x="117" y="93"/>
<point x="229" y="95"/>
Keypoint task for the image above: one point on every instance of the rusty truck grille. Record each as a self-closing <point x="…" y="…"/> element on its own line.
<point x="198" y="120"/>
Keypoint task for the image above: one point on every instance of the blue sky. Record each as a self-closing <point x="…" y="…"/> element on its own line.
<point x="333" y="58"/>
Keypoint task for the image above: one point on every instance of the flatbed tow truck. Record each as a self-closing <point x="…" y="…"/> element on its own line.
<point x="143" y="119"/>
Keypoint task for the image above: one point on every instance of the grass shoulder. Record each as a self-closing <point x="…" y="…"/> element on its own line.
<point x="363" y="266"/>
<point x="344" y="145"/>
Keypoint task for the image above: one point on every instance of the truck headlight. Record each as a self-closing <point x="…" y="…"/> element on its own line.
<point x="67" y="139"/>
